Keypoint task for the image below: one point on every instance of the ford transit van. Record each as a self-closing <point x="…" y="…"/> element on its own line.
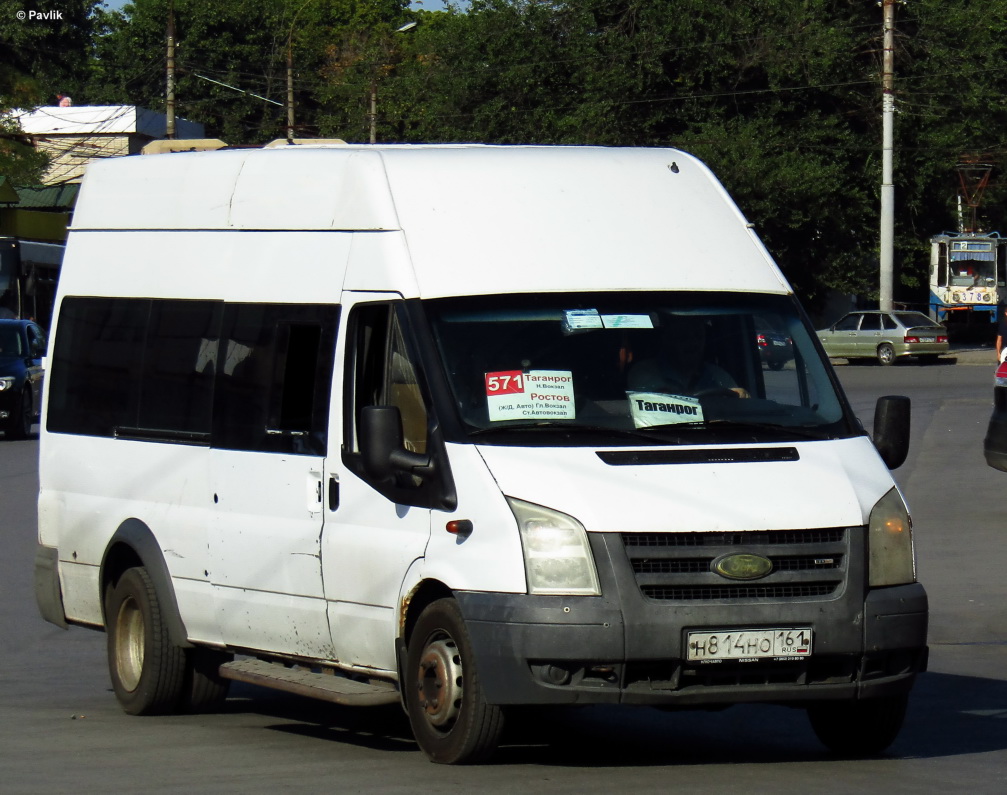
<point x="467" y="428"/>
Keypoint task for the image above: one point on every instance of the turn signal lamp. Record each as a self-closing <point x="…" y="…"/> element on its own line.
<point x="890" y="539"/>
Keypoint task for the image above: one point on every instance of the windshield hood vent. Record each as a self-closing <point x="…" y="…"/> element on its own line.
<point x="739" y="455"/>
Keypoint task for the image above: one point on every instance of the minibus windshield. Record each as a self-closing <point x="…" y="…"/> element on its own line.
<point x="635" y="368"/>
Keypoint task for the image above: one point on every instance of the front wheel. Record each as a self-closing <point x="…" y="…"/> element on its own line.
<point x="859" y="728"/>
<point x="449" y="716"/>
<point x="886" y="354"/>
<point x="20" y="422"/>
<point x="148" y="671"/>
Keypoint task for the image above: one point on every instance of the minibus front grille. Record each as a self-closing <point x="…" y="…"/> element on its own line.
<point x="805" y="564"/>
<point x="696" y="592"/>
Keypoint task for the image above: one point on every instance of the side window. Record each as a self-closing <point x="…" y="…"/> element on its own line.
<point x="848" y="323"/>
<point x="94" y="371"/>
<point x="384" y="374"/>
<point x="272" y="388"/>
<point x="871" y="323"/>
<point x="237" y="376"/>
<point x="403" y="392"/>
<point x="890" y="324"/>
<point x="36" y="342"/>
<point x="176" y="382"/>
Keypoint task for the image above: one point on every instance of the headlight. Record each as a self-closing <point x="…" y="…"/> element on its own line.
<point x="890" y="539"/>
<point x="7" y="382"/>
<point x="557" y="556"/>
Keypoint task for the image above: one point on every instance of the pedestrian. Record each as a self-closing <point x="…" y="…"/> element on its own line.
<point x="1001" y="333"/>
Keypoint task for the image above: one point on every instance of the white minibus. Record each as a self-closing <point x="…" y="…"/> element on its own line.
<point x="468" y="428"/>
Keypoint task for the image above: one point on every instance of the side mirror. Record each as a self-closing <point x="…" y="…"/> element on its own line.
<point x="891" y="429"/>
<point x="381" y="447"/>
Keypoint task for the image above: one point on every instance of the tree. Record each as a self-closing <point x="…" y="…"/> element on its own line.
<point x="39" y="57"/>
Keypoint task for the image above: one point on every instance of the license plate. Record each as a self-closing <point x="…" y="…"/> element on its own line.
<point x="926" y="339"/>
<point x="749" y="644"/>
<point x="779" y="342"/>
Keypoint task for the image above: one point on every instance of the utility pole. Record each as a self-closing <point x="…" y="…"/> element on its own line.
<point x="290" y="72"/>
<point x="290" y="88"/>
<point x="170" y="104"/>
<point x="887" y="277"/>
<point x="373" y="115"/>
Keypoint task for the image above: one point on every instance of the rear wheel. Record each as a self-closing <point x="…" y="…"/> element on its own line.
<point x="148" y="671"/>
<point x="450" y="718"/>
<point x="859" y="728"/>
<point x="886" y="353"/>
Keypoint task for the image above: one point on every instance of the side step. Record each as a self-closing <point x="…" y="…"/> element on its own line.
<point x="327" y="687"/>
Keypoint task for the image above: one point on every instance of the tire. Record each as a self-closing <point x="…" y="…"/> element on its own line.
<point x="20" y="423"/>
<point x="886" y="354"/>
<point x="776" y="364"/>
<point x="148" y="671"/>
<point x="858" y="728"/>
<point x="448" y="713"/>
<point x="205" y="690"/>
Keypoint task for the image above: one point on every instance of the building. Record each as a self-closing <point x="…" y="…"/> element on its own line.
<point x="33" y="221"/>
<point x="74" y="136"/>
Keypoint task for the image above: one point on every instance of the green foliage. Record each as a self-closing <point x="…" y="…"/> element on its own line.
<point x="781" y="97"/>
<point x="39" y="57"/>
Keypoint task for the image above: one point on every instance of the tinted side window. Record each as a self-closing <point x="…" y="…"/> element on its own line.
<point x="36" y="342"/>
<point x="871" y="323"/>
<point x="157" y="369"/>
<point x="95" y="368"/>
<point x="176" y="386"/>
<point x="272" y="389"/>
<point x="848" y="323"/>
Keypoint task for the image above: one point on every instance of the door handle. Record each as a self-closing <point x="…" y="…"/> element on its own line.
<point x="333" y="492"/>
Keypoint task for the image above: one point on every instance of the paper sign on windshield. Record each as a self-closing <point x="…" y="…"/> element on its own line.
<point x="536" y="394"/>
<point x="654" y="408"/>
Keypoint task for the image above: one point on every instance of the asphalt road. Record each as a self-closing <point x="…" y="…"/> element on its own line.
<point x="61" y="729"/>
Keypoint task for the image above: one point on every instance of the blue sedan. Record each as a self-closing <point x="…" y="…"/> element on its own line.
<point x="22" y="348"/>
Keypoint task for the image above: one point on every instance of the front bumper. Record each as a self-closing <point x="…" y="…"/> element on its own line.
<point x="626" y="648"/>
<point x="922" y="349"/>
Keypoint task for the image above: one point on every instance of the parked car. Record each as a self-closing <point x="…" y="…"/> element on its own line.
<point x="22" y="348"/>
<point x="775" y="347"/>
<point x="885" y="336"/>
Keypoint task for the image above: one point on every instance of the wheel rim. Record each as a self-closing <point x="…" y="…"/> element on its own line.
<point x="440" y="681"/>
<point x="886" y="354"/>
<point x="129" y="644"/>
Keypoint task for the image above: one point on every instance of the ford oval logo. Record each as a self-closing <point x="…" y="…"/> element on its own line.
<point x="742" y="566"/>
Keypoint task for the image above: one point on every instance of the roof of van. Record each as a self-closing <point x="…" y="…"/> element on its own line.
<point x="498" y="218"/>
